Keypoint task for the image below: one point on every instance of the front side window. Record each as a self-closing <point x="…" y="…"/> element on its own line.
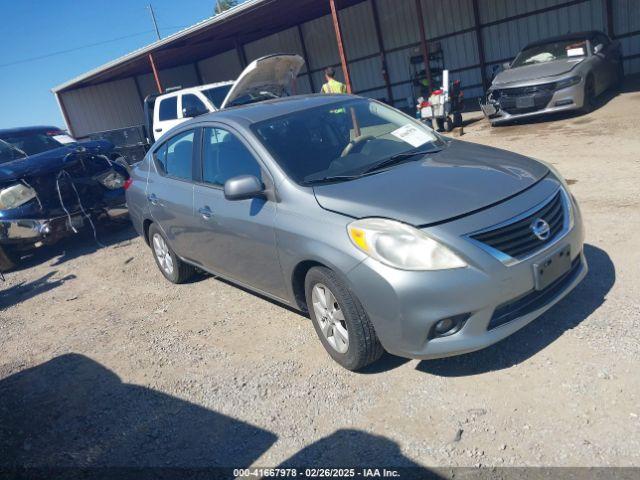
<point x="190" y="101"/>
<point x="551" y="51"/>
<point x="216" y="95"/>
<point x="225" y="156"/>
<point x="347" y="138"/>
<point x="174" y="158"/>
<point x="168" y="109"/>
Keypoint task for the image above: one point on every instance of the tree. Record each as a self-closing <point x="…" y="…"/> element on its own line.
<point x="223" y="5"/>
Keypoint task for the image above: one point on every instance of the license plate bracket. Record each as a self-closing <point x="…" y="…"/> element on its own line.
<point x="551" y="268"/>
<point x="525" y="102"/>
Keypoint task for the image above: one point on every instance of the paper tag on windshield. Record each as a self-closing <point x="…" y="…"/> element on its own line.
<point x="575" y="52"/>
<point x="64" y="139"/>
<point x="412" y="135"/>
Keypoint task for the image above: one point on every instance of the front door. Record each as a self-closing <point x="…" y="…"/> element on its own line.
<point x="235" y="238"/>
<point x="170" y="191"/>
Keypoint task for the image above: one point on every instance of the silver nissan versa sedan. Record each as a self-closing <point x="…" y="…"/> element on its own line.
<point x="390" y="236"/>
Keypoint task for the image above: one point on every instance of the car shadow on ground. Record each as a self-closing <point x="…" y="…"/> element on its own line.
<point x="533" y="338"/>
<point x="83" y="243"/>
<point x="23" y="291"/>
<point x="72" y="413"/>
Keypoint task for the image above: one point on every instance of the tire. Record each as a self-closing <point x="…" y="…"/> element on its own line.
<point x="173" y="269"/>
<point x="448" y="124"/>
<point x="8" y="259"/>
<point x="362" y="346"/>
<point x="589" y="101"/>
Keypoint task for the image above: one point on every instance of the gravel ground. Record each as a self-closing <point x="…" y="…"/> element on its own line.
<point x="103" y="362"/>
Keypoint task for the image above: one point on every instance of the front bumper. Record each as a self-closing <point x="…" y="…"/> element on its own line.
<point x="404" y="306"/>
<point x="563" y="100"/>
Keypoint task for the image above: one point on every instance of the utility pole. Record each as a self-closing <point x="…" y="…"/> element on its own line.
<point x="153" y="18"/>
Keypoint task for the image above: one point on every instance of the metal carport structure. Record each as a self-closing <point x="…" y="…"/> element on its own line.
<point x="378" y="37"/>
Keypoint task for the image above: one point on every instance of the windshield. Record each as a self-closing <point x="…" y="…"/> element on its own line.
<point x="217" y="95"/>
<point x="342" y="139"/>
<point x="9" y="153"/>
<point x="550" y="52"/>
<point x="33" y="143"/>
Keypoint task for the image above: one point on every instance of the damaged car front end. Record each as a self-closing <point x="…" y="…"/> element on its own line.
<point x="54" y="193"/>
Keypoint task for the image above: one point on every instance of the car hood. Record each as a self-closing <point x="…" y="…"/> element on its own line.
<point x="273" y="73"/>
<point x="49" y="161"/>
<point x="461" y="179"/>
<point x="529" y="73"/>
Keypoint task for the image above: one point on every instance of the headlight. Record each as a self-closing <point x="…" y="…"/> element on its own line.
<point x="568" y="82"/>
<point x="111" y="179"/>
<point x="15" y="195"/>
<point x="401" y="246"/>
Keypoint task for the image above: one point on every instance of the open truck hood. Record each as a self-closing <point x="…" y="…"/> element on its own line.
<point x="273" y="74"/>
<point x="462" y="178"/>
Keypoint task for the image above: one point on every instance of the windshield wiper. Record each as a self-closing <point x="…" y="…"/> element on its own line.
<point x="397" y="158"/>
<point x="330" y="178"/>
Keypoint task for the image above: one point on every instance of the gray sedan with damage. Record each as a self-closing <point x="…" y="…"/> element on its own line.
<point x="390" y="236"/>
<point x="553" y="75"/>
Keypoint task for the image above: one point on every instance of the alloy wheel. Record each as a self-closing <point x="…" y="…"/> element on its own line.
<point x="330" y="318"/>
<point x="161" y="249"/>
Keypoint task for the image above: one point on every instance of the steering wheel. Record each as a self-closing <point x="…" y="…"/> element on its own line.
<point x="358" y="143"/>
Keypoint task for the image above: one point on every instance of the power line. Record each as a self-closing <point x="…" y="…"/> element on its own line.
<point x="90" y="45"/>
<point x="155" y="24"/>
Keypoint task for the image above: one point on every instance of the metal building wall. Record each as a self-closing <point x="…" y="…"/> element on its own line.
<point x="221" y="67"/>
<point x="626" y="24"/>
<point x="184" y="76"/>
<point x="103" y="107"/>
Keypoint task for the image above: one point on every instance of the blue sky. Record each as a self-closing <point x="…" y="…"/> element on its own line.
<point x="32" y="28"/>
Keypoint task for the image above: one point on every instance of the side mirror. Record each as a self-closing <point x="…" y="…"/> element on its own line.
<point x="191" y="111"/>
<point x="506" y="65"/>
<point x="598" y="48"/>
<point x="243" y="187"/>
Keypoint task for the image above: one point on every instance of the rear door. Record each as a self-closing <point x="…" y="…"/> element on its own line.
<point x="170" y="190"/>
<point x="165" y="115"/>
<point x="235" y="238"/>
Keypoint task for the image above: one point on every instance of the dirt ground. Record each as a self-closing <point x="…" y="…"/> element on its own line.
<point x="103" y="362"/>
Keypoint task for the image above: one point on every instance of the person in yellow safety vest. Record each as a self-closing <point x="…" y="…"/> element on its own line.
<point x="332" y="85"/>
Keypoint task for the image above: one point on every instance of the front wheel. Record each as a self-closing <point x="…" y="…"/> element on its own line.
<point x="340" y="320"/>
<point x="589" y="101"/>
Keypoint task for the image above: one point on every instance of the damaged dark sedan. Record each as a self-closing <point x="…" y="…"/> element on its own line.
<point x="52" y="186"/>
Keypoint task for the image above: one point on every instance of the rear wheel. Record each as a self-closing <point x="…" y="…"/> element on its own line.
<point x="340" y="321"/>
<point x="174" y="269"/>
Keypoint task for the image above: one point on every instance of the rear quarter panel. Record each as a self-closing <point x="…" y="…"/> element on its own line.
<point x="136" y="194"/>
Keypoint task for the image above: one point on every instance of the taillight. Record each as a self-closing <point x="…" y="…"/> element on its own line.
<point x="127" y="183"/>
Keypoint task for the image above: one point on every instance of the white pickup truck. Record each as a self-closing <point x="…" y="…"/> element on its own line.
<point x="268" y="77"/>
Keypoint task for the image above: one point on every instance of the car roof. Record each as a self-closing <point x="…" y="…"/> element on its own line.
<point x="568" y="36"/>
<point x="257" y="112"/>
<point x="197" y="88"/>
<point x="28" y="130"/>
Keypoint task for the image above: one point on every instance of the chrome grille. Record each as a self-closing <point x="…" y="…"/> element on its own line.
<point x="517" y="239"/>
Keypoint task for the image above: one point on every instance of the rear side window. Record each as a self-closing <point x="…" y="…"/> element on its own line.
<point x="168" y="109"/>
<point x="174" y="158"/>
<point x="225" y="157"/>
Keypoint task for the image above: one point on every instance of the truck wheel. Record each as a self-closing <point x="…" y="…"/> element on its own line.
<point x="174" y="269"/>
<point x="8" y="259"/>
<point x="340" y="321"/>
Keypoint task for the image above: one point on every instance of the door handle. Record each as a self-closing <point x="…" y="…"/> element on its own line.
<point x="158" y="130"/>
<point x="205" y="212"/>
<point x="153" y="199"/>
